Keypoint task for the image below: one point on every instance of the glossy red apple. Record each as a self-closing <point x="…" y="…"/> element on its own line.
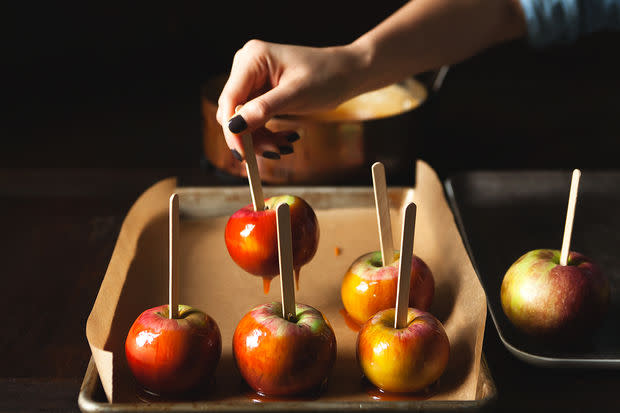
<point x="543" y="298"/>
<point x="252" y="240"/>
<point x="403" y="360"/>
<point x="277" y="357"/>
<point x="173" y="356"/>
<point x="369" y="287"/>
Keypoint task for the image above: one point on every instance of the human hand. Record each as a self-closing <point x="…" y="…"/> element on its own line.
<point x="269" y="79"/>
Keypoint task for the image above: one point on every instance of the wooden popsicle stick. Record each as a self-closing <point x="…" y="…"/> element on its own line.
<point x="570" y="216"/>
<point x="404" y="266"/>
<point x="251" y="167"/>
<point x="383" y="213"/>
<point x="173" y="256"/>
<point x="285" y="254"/>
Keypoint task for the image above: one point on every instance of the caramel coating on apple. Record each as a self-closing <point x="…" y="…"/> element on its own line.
<point x="173" y="356"/>
<point x="278" y="357"/>
<point x="369" y="287"/>
<point x="251" y="236"/>
<point x="403" y="360"/>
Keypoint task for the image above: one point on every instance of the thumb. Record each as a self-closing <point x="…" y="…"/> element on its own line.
<point x="259" y="110"/>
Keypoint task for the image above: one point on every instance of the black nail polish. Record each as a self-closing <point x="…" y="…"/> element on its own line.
<point x="237" y="124"/>
<point x="285" y="149"/>
<point x="271" y="155"/>
<point x="293" y="137"/>
<point x="236" y="155"/>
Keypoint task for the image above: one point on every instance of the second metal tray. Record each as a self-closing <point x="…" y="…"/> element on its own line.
<point x="502" y="215"/>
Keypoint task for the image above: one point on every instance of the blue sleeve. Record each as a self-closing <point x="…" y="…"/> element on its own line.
<point x="563" y="21"/>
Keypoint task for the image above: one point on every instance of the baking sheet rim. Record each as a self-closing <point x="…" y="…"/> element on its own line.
<point x="91" y="382"/>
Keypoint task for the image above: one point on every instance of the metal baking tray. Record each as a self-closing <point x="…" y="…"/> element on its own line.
<point x="198" y="203"/>
<point x="503" y="214"/>
<point x="92" y="399"/>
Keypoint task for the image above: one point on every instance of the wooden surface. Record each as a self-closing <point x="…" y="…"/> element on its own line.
<point x="59" y="234"/>
<point x="60" y="227"/>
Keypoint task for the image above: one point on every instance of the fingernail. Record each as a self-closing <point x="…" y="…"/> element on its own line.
<point x="236" y="155"/>
<point x="237" y="124"/>
<point x="271" y="155"/>
<point x="285" y="149"/>
<point x="293" y="137"/>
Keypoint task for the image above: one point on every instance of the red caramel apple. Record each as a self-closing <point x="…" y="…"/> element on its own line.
<point x="251" y="237"/>
<point x="171" y="356"/>
<point x="277" y="357"/>
<point x="403" y="360"/>
<point x="369" y="287"/>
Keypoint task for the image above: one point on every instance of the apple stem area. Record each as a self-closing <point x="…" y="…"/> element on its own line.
<point x="378" y="263"/>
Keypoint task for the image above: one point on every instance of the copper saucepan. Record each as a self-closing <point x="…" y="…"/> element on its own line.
<point x="329" y="151"/>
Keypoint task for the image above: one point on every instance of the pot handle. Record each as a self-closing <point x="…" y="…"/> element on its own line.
<point x="434" y="79"/>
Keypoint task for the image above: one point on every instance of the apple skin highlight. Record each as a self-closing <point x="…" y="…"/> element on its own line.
<point x="173" y="356"/>
<point x="543" y="298"/>
<point x="252" y="240"/>
<point x="403" y="360"/>
<point x="277" y="357"/>
<point x="368" y="287"/>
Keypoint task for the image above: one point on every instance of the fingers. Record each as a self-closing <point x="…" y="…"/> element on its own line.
<point x="270" y="145"/>
<point x="273" y="145"/>
<point x="248" y="74"/>
<point x="251" y="118"/>
<point x="259" y="110"/>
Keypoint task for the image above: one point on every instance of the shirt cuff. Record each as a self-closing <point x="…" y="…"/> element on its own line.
<point x="551" y="21"/>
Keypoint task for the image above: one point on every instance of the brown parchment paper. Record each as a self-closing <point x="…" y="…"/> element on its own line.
<point x="136" y="279"/>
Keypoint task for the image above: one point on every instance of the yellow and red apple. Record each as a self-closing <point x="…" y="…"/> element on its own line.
<point x="369" y="287"/>
<point x="173" y="356"/>
<point x="252" y="239"/>
<point x="403" y="360"/>
<point x="543" y="298"/>
<point x="277" y="357"/>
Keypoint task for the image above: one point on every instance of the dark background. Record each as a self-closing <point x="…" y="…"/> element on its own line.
<point x="108" y="95"/>
<point x="109" y="85"/>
